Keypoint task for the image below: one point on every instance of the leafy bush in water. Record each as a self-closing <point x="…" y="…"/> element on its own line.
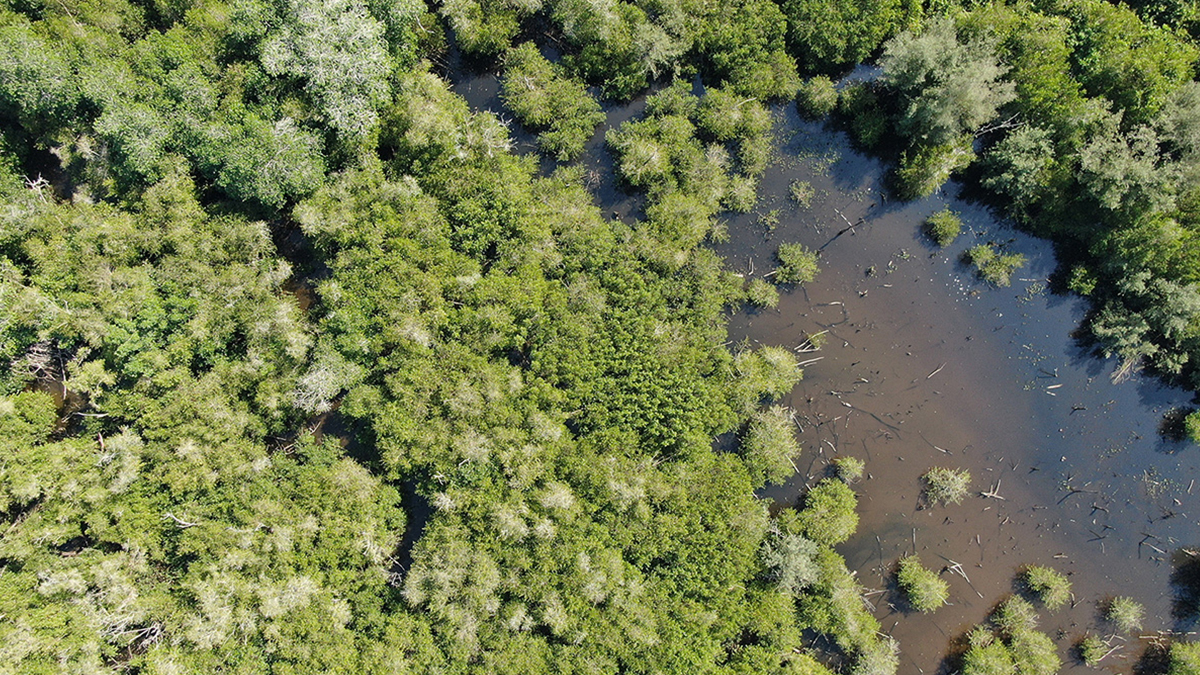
<point x="829" y="515"/>
<point x="801" y="192"/>
<point x="769" y="444"/>
<point x="848" y="469"/>
<point x="923" y="588"/>
<point x="926" y="168"/>
<point x="834" y="606"/>
<point x="1191" y="426"/>
<point x="817" y="97"/>
<point x="1091" y="649"/>
<point x="995" y="268"/>
<point x="860" y="107"/>
<point x="762" y="293"/>
<point x="1010" y="644"/>
<point x="1048" y="585"/>
<point x="946" y="486"/>
<point x="1184" y="659"/>
<point x="797" y="264"/>
<point x="1125" y="613"/>
<point x="943" y="227"/>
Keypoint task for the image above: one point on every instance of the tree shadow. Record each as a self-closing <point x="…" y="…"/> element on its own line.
<point x="1154" y="661"/>
<point x="1172" y="432"/>
<point x="1185" y="583"/>
<point x="956" y="651"/>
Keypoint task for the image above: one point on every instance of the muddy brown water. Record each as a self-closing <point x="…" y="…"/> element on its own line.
<point x="923" y="366"/>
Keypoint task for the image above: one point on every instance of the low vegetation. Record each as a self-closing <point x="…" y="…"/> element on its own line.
<point x="829" y="515"/>
<point x="1009" y="643"/>
<point x="1048" y="585"/>
<point x="943" y="227"/>
<point x="945" y="486"/>
<point x="848" y="469"/>
<point x="992" y="266"/>
<point x="1191" y="426"/>
<point x="924" y="590"/>
<point x="801" y="192"/>
<point x="1125" y="613"/>
<point x="797" y="264"/>
<point x="769" y="444"/>
<point x="1183" y="658"/>
<point x="1091" y="649"/>
<point x="817" y="97"/>
<point x="762" y="293"/>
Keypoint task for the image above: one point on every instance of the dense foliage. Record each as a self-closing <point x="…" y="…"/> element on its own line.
<point x="1084" y="114"/>
<point x="924" y="590"/>
<point x="302" y="369"/>
<point x="1048" y="585"/>
<point x="1009" y="643"/>
<point x="306" y="371"/>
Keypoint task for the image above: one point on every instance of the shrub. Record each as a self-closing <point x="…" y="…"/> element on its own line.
<point x="848" y="469"/>
<point x="1083" y="281"/>
<point x="1125" y="613"/>
<point x="817" y="97"/>
<point x="879" y="657"/>
<point x="994" y="268"/>
<point x="923" y="589"/>
<point x="859" y="105"/>
<point x="1014" y="615"/>
<point x="769" y="220"/>
<point x="946" y="486"/>
<point x="989" y="658"/>
<point x="1191" y="426"/>
<point x="741" y="194"/>
<point x="1184" y="659"/>
<point x="761" y="293"/>
<point x="801" y="192"/>
<point x="1091" y="649"/>
<point x="1048" y="585"/>
<point x="798" y="265"/>
<point x="834" y="606"/>
<point x="789" y="560"/>
<point x="828" y="516"/>
<point x="766" y="372"/>
<point x="927" y="167"/>
<point x="1034" y="653"/>
<point x="943" y="227"/>
<point x="546" y="100"/>
<point x="1010" y="644"/>
<point x="769" y="445"/>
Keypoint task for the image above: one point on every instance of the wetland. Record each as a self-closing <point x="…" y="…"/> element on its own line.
<point x="923" y="364"/>
<point x="484" y="337"/>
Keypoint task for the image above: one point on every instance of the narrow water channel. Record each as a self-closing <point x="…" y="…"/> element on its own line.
<point x="925" y="366"/>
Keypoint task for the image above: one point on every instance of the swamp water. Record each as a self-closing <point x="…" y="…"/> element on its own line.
<point x="923" y="366"/>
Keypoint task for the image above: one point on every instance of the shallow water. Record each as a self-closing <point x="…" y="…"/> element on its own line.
<point x="925" y="366"/>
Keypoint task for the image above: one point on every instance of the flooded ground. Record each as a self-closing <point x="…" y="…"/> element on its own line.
<point x="924" y="366"/>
